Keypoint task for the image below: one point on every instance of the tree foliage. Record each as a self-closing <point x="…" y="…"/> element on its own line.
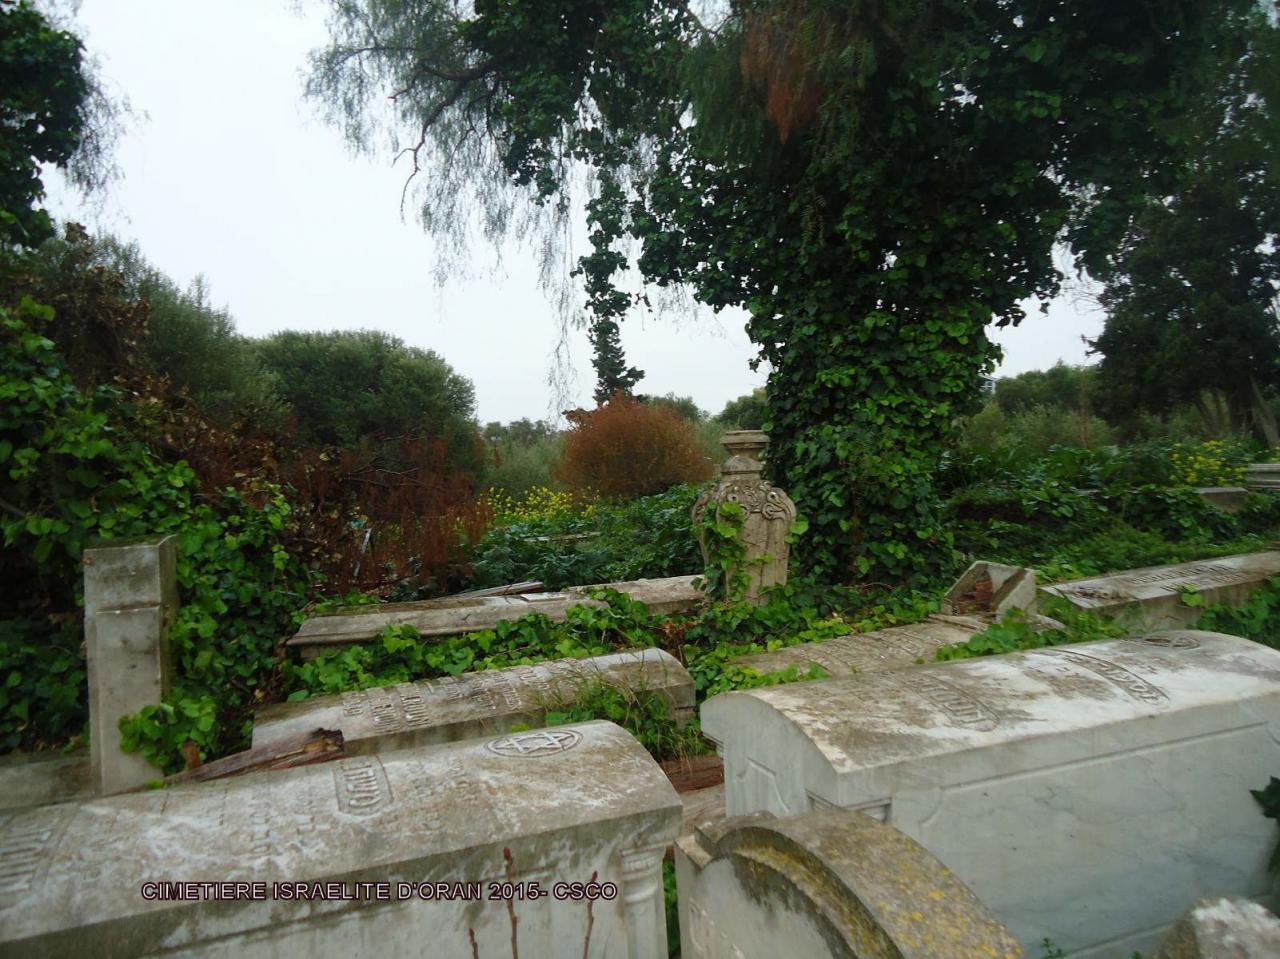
<point x="364" y="387"/>
<point x="874" y="182"/>
<point x="609" y="361"/>
<point x="43" y="92"/>
<point x="1059" y="387"/>
<point x="1191" y="288"/>
<point x="747" y="412"/>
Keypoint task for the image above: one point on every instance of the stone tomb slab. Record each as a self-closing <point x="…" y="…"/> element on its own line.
<point x="473" y="704"/>
<point x="1151" y="598"/>
<point x="454" y="615"/>
<point x="1085" y="793"/>
<point x="892" y="648"/>
<point x="549" y="806"/>
<point x="1262" y="476"/>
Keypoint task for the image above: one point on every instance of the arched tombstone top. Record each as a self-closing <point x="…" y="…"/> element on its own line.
<point x="833" y="882"/>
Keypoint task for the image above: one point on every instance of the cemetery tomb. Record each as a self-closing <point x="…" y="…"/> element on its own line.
<point x="1229" y="499"/>
<point x="991" y="590"/>
<point x="1151" y="598"/>
<point x="435" y="848"/>
<point x="1110" y="776"/>
<point x="473" y="704"/>
<point x="831" y="883"/>
<point x="1262" y="476"/>
<point x="892" y="648"/>
<point x="454" y="615"/>
<point x="767" y="513"/>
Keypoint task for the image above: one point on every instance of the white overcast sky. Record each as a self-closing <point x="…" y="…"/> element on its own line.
<point x="231" y="174"/>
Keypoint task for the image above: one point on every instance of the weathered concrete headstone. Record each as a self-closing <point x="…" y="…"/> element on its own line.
<point x="130" y="601"/>
<point x="1229" y="499"/>
<point x="473" y="704"/>
<point x="1262" y="476"/>
<point x="415" y="852"/>
<point x="769" y="511"/>
<point x="464" y="614"/>
<point x="830" y="883"/>
<point x="1151" y="598"/>
<point x="1109" y="777"/>
<point x="991" y="589"/>
<point x="893" y="648"/>
<point x="1223" y="928"/>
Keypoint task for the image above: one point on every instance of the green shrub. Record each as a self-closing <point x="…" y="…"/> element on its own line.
<point x="516" y="469"/>
<point x="645" y="538"/>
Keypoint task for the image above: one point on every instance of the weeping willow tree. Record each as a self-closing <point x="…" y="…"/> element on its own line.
<point x="874" y="181"/>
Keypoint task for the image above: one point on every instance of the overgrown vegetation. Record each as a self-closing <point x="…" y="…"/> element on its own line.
<point x="314" y="463"/>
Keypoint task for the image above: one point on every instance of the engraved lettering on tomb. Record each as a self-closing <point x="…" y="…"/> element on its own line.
<point x="361" y="785"/>
<point x="387" y="716"/>
<point x="27" y="842"/>
<point x="960" y="707"/>
<point x="1130" y="683"/>
<point x="413" y="706"/>
<point x="354" y="704"/>
<point x="1169" y="642"/>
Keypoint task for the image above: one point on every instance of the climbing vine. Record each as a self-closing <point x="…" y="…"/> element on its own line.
<point x="719" y="529"/>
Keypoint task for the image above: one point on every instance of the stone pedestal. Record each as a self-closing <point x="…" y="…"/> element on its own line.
<point x="769" y="511"/>
<point x="130" y="601"/>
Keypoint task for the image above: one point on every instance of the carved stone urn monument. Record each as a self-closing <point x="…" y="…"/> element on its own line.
<point x="769" y="511"/>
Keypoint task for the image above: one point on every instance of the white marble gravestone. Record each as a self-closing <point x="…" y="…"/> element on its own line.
<point x="473" y="704"/>
<point x="831" y="883"/>
<point x="1085" y="793"/>
<point x="1151" y="598"/>
<point x="384" y="847"/>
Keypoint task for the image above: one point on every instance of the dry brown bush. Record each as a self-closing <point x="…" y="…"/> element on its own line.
<point x="625" y="449"/>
